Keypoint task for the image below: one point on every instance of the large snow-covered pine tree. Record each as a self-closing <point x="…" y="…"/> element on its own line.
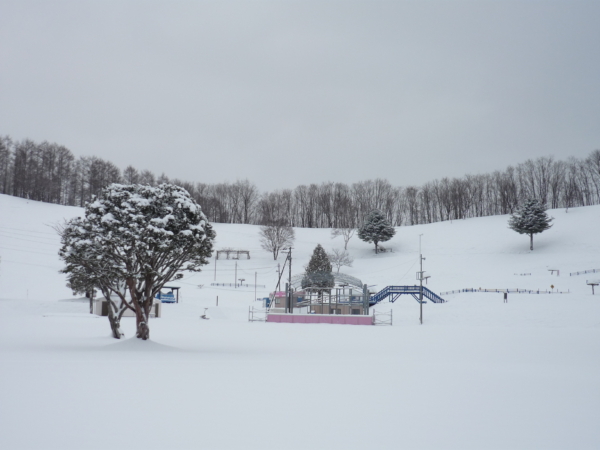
<point x="144" y="236"/>
<point x="318" y="275"/>
<point x="376" y="229"/>
<point x="530" y="218"/>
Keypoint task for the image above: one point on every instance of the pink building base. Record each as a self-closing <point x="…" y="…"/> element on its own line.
<point x="321" y="318"/>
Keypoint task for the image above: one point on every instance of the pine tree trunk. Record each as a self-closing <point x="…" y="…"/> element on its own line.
<point x="531" y="241"/>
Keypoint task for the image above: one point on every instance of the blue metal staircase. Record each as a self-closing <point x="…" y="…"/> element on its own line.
<point x="396" y="291"/>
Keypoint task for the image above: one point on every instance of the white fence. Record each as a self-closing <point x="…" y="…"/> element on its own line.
<point x="257" y="314"/>
<point x="508" y="291"/>
<point x="382" y="318"/>
<point x="584" y="272"/>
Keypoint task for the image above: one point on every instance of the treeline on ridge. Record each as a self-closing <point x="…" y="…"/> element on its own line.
<point x="51" y="173"/>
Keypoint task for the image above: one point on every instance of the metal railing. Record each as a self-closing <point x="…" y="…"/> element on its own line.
<point x="394" y="291"/>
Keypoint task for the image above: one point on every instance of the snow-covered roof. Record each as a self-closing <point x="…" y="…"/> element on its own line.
<point x="339" y="278"/>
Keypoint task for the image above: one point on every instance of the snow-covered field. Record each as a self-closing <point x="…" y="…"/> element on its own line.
<point x="479" y="374"/>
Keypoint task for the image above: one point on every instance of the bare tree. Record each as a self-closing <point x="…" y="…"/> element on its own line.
<point x="50" y="173"/>
<point x="340" y="258"/>
<point x="147" y="177"/>
<point x="131" y="175"/>
<point x="273" y="238"/>
<point x="249" y="194"/>
<point x="346" y="233"/>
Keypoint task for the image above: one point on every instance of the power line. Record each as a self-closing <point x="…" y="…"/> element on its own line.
<point x="28" y="231"/>
<point x="30" y="251"/>
<point x="28" y="264"/>
<point x="28" y="240"/>
<point x="389" y="268"/>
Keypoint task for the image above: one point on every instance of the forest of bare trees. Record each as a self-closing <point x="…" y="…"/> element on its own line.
<point x="51" y="173"/>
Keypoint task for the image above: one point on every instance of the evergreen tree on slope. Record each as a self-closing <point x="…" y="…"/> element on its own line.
<point x="530" y="218"/>
<point x="376" y="229"/>
<point x="318" y="272"/>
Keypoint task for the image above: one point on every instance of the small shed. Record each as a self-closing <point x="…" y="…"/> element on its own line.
<point x="169" y="297"/>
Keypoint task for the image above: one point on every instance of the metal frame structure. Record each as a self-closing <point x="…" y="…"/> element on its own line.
<point x="236" y="252"/>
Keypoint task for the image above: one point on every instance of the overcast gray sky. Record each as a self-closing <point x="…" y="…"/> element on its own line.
<point x="286" y="93"/>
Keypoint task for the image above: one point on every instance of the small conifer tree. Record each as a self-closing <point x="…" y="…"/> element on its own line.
<point x="376" y="229"/>
<point x="530" y="218"/>
<point x="318" y="275"/>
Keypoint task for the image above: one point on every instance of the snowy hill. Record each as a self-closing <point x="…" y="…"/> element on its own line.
<point x="478" y="374"/>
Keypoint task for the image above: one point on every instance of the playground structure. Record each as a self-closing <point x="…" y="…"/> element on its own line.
<point x="340" y="305"/>
<point x="336" y="306"/>
<point x="340" y="301"/>
<point x="316" y="304"/>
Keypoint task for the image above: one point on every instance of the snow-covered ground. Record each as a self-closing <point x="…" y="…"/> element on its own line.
<point x="479" y="374"/>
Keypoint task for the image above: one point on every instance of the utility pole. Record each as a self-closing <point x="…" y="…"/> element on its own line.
<point x="235" y="276"/>
<point x="290" y="280"/>
<point x="420" y="275"/>
<point x="215" y="267"/>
